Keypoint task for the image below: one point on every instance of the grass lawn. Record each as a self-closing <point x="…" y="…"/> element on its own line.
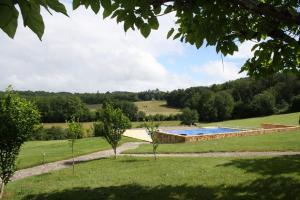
<point x="167" y="178"/>
<point x="288" y="141"/>
<point x="32" y="152"/>
<point x="287" y="119"/>
<point x="156" y="107"/>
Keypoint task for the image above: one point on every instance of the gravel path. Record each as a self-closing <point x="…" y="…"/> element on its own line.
<point x="42" y="169"/>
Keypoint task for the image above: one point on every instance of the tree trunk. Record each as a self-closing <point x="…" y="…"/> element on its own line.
<point x="115" y="151"/>
<point x="1" y="189"/>
<point x="154" y="152"/>
<point x="73" y="158"/>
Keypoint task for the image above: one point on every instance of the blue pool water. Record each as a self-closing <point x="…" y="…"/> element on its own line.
<point x="203" y="131"/>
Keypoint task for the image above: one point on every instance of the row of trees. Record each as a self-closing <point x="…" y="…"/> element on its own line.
<point x="241" y="98"/>
<point x="99" y="98"/>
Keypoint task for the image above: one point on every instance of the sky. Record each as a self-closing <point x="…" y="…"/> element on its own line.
<point x="84" y="53"/>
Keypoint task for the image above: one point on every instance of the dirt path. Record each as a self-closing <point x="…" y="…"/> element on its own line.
<point x="41" y="169"/>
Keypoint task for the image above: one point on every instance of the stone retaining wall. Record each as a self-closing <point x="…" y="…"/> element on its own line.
<point x="267" y="129"/>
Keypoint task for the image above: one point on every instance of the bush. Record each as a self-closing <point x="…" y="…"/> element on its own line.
<point x="189" y="117"/>
<point x="98" y="129"/>
<point x="263" y="104"/>
<point x="295" y="106"/>
<point x="53" y="133"/>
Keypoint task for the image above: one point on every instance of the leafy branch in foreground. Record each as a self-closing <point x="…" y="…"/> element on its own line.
<point x="272" y="25"/>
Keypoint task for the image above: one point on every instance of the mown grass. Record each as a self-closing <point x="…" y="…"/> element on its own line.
<point x="32" y="152"/>
<point x="167" y="178"/>
<point x="288" y="141"/>
<point x="287" y="119"/>
<point x="156" y="107"/>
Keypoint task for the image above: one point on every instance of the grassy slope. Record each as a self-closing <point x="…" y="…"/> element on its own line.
<point x="288" y="119"/>
<point x="156" y="107"/>
<point x="272" y="142"/>
<point x="167" y="178"/>
<point x="32" y="152"/>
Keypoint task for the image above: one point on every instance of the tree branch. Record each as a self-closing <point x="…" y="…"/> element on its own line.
<point x="267" y="10"/>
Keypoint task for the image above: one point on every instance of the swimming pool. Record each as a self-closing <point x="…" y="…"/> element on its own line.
<point x="203" y="131"/>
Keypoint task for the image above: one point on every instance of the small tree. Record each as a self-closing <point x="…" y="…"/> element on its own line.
<point x="74" y="133"/>
<point x="151" y="128"/>
<point x="18" y="119"/>
<point x="115" y="124"/>
<point x="189" y="116"/>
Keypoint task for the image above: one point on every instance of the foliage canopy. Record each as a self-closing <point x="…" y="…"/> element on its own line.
<point x="18" y="119"/>
<point x="273" y="24"/>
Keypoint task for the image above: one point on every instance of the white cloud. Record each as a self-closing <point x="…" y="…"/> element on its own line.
<point x="83" y="53"/>
<point x="244" y="51"/>
<point x="217" y="72"/>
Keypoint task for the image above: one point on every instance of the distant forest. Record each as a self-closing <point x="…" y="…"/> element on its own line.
<point x="242" y="98"/>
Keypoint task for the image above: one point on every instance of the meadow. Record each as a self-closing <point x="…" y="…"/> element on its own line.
<point x="38" y="152"/>
<point x="167" y="178"/>
<point x="156" y="107"/>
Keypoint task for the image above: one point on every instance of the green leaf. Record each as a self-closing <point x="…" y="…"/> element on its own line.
<point x="32" y="17"/>
<point x="153" y="22"/>
<point x="127" y="25"/>
<point x="168" y="9"/>
<point x="9" y="19"/>
<point x="106" y="13"/>
<point x="176" y="36"/>
<point x="145" y="30"/>
<point x="76" y="4"/>
<point x="157" y="10"/>
<point x="57" y="6"/>
<point x="95" y="5"/>
<point x="106" y="4"/>
<point x="170" y="33"/>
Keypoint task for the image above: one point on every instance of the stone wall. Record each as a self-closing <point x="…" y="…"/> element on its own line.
<point x="270" y="128"/>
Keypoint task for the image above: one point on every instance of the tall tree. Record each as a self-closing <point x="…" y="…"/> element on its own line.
<point x="273" y="25"/>
<point x="18" y="119"/>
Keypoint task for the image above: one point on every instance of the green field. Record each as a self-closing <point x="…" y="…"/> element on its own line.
<point x="32" y="152"/>
<point x="93" y="107"/>
<point x="156" y="107"/>
<point x="272" y="142"/>
<point x="167" y="178"/>
<point x="287" y="119"/>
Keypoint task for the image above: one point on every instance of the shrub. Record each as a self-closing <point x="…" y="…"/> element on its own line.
<point x="263" y="104"/>
<point x="98" y="129"/>
<point x="189" y="116"/>
<point x="295" y="106"/>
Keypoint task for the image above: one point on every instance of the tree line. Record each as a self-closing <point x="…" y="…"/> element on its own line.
<point x="242" y="98"/>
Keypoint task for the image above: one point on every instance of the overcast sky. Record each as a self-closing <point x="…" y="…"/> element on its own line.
<point x="85" y="53"/>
